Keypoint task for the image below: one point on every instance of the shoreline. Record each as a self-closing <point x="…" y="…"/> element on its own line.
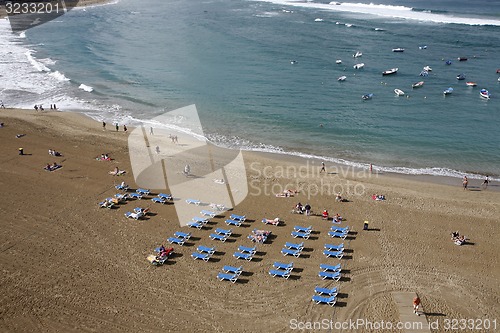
<point x="87" y="266"/>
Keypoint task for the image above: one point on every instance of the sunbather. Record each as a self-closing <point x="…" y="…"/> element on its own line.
<point x="324" y="215"/>
<point x="117" y="172"/>
<point x="275" y="221"/>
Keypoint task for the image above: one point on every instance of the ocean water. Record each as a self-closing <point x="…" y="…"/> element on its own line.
<point x="130" y="61"/>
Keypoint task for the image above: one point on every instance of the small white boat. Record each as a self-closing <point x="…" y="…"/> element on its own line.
<point x="499" y="79"/>
<point x="427" y="69"/>
<point x="359" y="66"/>
<point x="390" y="71"/>
<point x="423" y="47"/>
<point x="357" y="55"/>
<point x="399" y="92"/>
<point x="338" y="61"/>
<point x="461" y="76"/>
<point x="293" y="62"/>
<point x="424" y="73"/>
<point x="484" y="94"/>
<point x="342" y="78"/>
<point x="399" y="49"/>
<point x="471" y="84"/>
<point x="367" y="96"/>
<point x="417" y="84"/>
<point x="448" y="91"/>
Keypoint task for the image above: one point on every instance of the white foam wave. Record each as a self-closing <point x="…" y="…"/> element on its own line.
<point x="86" y="88"/>
<point x="318" y="20"/>
<point x="38" y="65"/>
<point x="22" y="34"/>
<point x="400" y="12"/>
<point x="58" y="75"/>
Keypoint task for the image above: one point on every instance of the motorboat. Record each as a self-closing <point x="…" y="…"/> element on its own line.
<point x="359" y="66"/>
<point x="399" y="92"/>
<point x="342" y="78"/>
<point x="499" y="79"/>
<point x="367" y="96"/>
<point x="293" y="62"/>
<point x="484" y="94"/>
<point x="448" y="62"/>
<point x="428" y="69"/>
<point x="399" y="49"/>
<point x="417" y="84"/>
<point x="461" y="76"/>
<point x="448" y="91"/>
<point x="338" y="61"/>
<point x="390" y="71"/>
<point x="462" y="59"/>
<point x="357" y="55"/>
<point x="424" y="73"/>
<point x="423" y="47"/>
<point x="471" y="84"/>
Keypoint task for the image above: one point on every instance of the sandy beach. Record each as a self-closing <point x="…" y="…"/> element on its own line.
<point x="70" y="266"/>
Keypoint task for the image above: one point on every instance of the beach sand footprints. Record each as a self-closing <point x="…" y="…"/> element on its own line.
<point x="166" y="170"/>
<point x="26" y="14"/>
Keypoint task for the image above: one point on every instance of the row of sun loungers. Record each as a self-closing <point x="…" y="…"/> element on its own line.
<point x="230" y="273"/>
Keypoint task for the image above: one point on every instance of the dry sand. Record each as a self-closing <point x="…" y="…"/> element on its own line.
<point x="69" y="266"/>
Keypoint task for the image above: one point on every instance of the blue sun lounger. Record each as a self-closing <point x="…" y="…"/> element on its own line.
<point x="242" y="255"/>
<point x="193" y="202"/>
<point x="228" y="277"/>
<point x="166" y="197"/>
<point x="288" y="252"/>
<point x="122" y="197"/>
<point x="327" y="300"/>
<point x="247" y="249"/>
<point x="135" y="196"/>
<point x="303" y="229"/>
<point x="337" y="254"/>
<point x="175" y="240"/>
<point x="337" y="234"/>
<point x="286" y="267"/>
<point x="142" y="191"/>
<point x="196" y="225"/>
<point x="200" y="219"/>
<point x="180" y="234"/>
<point x="206" y="249"/>
<point x="121" y="188"/>
<point x="329" y="275"/>
<point x="240" y="218"/>
<point x="159" y="200"/>
<point x="208" y="213"/>
<point x="279" y="273"/>
<point x="218" y="237"/>
<point x="233" y="222"/>
<point x="331" y="247"/>
<point x="232" y="269"/>
<point x="202" y="256"/>
<point x="304" y="235"/>
<point x="294" y="246"/>
<point x="224" y="232"/>
<point x="339" y="229"/>
<point x="332" y="268"/>
<point x="326" y="291"/>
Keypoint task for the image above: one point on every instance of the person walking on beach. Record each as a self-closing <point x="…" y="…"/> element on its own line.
<point x="465" y="182"/>
<point x="1" y="105"/>
<point x="151" y="131"/>
<point x="124" y="128"/>
<point x="486" y="182"/>
<point x="323" y="168"/>
<point x="416" y="305"/>
<point x="103" y="125"/>
<point x="117" y="127"/>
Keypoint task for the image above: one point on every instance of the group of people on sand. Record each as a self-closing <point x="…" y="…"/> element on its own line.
<point x="457" y="239"/>
<point x="336" y="218"/>
<point x="378" y="197"/>
<point x="287" y="193"/>
<point x="259" y="236"/>
<point x="465" y="182"/>
<point x="52" y="167"/>
<point x="300" y="209"/>
<point x="103" y="157"/>
<point x="54" y="153"/>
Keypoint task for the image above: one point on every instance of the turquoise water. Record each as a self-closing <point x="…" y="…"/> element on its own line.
<point x="131" y="61"/>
